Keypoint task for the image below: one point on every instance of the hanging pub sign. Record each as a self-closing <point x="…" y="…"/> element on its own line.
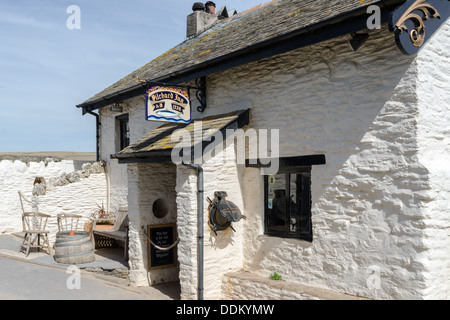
<point x="168" y="105"/>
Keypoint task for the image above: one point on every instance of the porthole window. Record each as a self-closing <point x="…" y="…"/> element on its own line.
<point x="161" y="208"/>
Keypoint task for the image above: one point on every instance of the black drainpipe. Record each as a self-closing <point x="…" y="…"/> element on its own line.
<point x="97" y="121"/>
<point x="200" y="227"/>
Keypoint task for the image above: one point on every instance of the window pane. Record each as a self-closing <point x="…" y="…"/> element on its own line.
<point x="124" y="134"/>
<point x="295" y="201"/>
<point x="288" y="205"/>
<point x="305" y="224"/>
<point x="277" y="202"/>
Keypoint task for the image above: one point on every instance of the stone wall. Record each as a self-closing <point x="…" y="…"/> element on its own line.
<point x="379" y="205"/>
<point x="148" y="183"/>
<point x="433" y="130"/>
<point x="71" y="187"/>
<point x="222" y="252"/>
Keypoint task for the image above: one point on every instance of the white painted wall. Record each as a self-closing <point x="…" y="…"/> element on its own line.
<point x="222" y="253"/>
<point x="433" y="130"/>
<point x="81" y="197"/>
<point x="380" y="203"/>
<point x="148" y="183"/>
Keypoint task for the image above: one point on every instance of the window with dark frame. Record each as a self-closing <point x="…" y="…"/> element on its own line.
<point x="124" y="131"/>
<point x="288" y="204"/>
<point x="287" y="196"/>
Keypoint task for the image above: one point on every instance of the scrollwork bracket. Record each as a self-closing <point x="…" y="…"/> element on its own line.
<point x="415" y="21"/>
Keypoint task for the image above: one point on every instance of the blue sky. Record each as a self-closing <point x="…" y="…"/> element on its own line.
<point x="46" y="69"/>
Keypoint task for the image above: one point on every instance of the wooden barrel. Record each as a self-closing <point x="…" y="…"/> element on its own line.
<point x="73" y="249"/>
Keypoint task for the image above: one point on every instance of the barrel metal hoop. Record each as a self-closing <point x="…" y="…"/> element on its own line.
<point x="73" y="255"/>
<point x="59" y="245"/>
<point x="69" y="240"/>
<point x="79" y="234"/>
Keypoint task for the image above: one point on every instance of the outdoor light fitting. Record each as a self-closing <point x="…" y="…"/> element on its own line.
<point x="358" y="40"/>
<point x="116" y="108"/>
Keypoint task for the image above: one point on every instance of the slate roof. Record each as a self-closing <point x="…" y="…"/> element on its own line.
<point x="255" y="26"/>
<point x="158" y="143"/>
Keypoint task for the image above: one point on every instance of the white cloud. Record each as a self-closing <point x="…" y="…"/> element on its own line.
<point x="26" y="21"/>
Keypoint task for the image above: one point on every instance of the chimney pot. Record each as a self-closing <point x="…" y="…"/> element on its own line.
<point x="198" y="6"/>
<point x="210" y="7"/>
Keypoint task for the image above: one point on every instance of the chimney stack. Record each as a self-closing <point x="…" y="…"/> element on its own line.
<point x="203" y="17"/>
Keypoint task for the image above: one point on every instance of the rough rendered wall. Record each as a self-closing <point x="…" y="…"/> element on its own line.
<point x="433" y="93"/>
<point x="187" y="223"/>
<point x="80" y="197"/>
<point x="148" y="183"/>
<point x="362" y="111"/>
<point x="19" y="176"/>
<point x="222" y="253"/>
<point x="116" y="174"/>
<point x="109" y="144"/>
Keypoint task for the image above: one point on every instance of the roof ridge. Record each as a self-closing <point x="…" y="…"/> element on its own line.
<point x="234" y="40"/>
<point x="257" y="7"/>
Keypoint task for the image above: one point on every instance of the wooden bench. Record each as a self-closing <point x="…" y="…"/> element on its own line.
<point x="118" y="234"/>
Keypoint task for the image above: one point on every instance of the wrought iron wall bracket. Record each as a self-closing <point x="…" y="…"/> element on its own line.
<point x="415" y="22"/>
<point x="201" y="93"/>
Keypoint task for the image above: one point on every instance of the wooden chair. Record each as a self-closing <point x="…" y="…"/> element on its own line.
<point x="68" y="222"/>
<point x="34" y="226"/>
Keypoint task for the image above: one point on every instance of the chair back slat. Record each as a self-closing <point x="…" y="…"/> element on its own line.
<point x="68" y="222"/>
<point x="34" y="221"/>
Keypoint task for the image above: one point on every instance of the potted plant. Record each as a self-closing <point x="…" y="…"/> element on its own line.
<point x="102" y="220"/>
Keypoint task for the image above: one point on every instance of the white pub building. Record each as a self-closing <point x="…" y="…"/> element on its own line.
<point x="348" y="100"/>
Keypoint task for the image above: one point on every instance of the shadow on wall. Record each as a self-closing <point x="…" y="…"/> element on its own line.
<point x="359" y="110"/>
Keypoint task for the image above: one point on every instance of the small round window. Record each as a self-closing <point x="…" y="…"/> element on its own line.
<point x="161" y="208"/>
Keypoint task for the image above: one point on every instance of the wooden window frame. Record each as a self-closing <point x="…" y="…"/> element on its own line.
<point x="123" y="138"/>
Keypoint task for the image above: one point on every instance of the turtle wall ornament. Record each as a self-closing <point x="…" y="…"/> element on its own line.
<point x="222" y="213"/>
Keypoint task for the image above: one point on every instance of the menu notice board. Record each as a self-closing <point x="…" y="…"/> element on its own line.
<point x="162" y="236"/>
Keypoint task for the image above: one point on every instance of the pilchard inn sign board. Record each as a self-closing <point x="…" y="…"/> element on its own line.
<point x="168" y="105"/>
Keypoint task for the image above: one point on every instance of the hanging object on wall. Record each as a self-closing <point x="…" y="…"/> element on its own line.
<point x="168" y="105"/>
<point x="222" y="213"/>
<point x="415" y="21"/>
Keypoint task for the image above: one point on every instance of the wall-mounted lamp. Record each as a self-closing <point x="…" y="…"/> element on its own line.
<point x="116" y="108"/>
<point x="358" y="40"/>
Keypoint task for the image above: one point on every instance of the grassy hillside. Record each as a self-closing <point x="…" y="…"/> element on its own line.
<point x="36" y="156"/>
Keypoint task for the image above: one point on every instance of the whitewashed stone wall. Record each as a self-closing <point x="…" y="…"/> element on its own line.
<point x="433" y="130"/>
<point x="222" y="253"/>
<point x="81" y="197"/>
<point x="117" y="174"/>
<point x="148" y="183"/>
<point x="380" y="204"/>
<point x="187" y="231"/>
<point x="109" y="145"/>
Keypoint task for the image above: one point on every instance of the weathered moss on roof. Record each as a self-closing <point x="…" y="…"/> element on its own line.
<point x="160" y="139"/>
<point x="254" y="26"/>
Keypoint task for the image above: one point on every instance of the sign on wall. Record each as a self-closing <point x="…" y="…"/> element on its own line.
<point x="168" y="105"/>
<point x="163" y="236"/>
